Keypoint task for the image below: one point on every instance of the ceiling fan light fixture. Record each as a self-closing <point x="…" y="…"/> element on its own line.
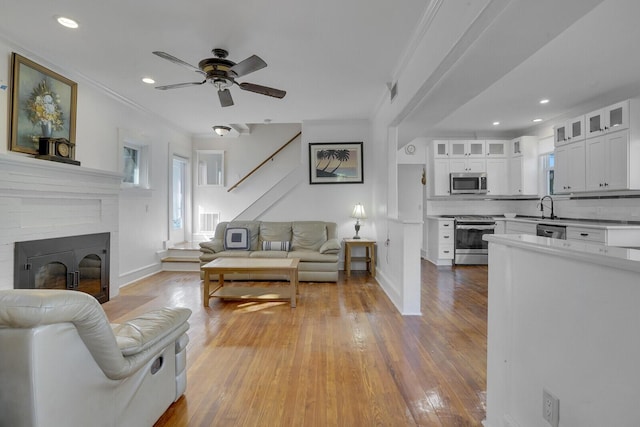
<point x="67" y="22"/>
<point x="222" y="84"/>
<point x="222" y="130"/>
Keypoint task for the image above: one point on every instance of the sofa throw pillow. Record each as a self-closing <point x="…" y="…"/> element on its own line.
<point x="237" y="238"/>
<point x="276" y="246"/>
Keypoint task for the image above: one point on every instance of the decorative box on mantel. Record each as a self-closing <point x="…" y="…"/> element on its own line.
<point x="43" y="200"/>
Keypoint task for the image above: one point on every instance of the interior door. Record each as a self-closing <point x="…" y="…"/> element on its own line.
<point x="178" y="200"/>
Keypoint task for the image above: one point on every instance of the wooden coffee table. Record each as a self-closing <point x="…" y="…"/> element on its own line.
<point x="222" y="266"/>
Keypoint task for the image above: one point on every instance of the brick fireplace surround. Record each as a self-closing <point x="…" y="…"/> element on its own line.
<point x="41" y="199"/>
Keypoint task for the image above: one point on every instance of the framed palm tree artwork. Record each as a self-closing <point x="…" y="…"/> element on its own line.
<point x="336" y="163"/>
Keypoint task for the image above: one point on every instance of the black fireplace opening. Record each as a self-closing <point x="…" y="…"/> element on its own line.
<point x="79" y="263"/>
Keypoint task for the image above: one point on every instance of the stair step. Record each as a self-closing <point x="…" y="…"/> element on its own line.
<point x="181" y="259"/>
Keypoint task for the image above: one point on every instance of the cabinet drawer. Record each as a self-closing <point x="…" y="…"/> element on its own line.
<point x="445" y="251"/>
<point x="445" y="225"/>
<point x="587" y="234"/>
<point x="445" y="237"/>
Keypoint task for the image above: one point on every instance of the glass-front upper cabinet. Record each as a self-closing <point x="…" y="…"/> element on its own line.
<point x="440" y="148"/>
<point x="211" y="167"/>
<point x="569" y="131"/>
<point x="467" y="148"/>
<point x="496" y="148"/>
<point x="610" y="119"/>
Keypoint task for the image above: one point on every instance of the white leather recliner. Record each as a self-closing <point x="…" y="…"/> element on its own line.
<point x="63" y="364"/>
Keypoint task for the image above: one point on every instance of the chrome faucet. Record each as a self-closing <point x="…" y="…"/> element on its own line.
<point x="542" y="206"/>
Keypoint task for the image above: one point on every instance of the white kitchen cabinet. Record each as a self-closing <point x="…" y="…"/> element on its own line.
<point x="466" y="148"/>
<point x="607" y="162"/>
<point x="440" y="149"/>
<point x="440" y="243"/>
<point x="467" y="165"/>
<point x="609" y="119"/>
<point x="569" y="172"/>
<point x="515" y="175"/>
<point x="497" y="176"/>
<point x="569" y="131"/>
<point x="441" y="177"/>
<point x="523" y="166"/>
<point x="517" y="227"/>
<point x="613" y="235"/>
<point x="496" y="148"/>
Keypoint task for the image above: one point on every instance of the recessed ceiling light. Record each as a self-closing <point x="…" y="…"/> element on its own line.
<point x="148" y="80"/>
<point x="496" y="123"/>
<point x="67" y="22"/>
<point x="544" y="101"/>
<point x="536" y="120"/>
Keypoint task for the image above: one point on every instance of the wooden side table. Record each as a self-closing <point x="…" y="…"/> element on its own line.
<point x="369" y="258"/>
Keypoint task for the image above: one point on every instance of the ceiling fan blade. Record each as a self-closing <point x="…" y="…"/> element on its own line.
<point x="225" y="98"/>
<point x="178" y="85"/>
<point x="249" y="65"/>
<point x="263" y="90"/>
<point x="175" y="60"/>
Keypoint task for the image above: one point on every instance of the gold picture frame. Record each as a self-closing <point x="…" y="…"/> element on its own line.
<point x="43" y="104"/>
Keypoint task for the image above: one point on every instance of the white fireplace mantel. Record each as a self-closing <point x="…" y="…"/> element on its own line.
<point x="42" y="199"/>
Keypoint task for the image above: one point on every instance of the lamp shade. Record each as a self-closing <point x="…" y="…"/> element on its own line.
<point x="221" y="130"/>
<point x="358" y="212"/>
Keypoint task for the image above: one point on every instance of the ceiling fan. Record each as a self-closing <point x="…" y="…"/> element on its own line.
<point x="222" y="73"/>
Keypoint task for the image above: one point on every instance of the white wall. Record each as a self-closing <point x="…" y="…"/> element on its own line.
<point x="565" y="322"/>
<point x="243" y="154"/>
<point x="143" y="216"/>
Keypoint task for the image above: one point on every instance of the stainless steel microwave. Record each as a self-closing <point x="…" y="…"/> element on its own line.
<point x="468" y="183"/>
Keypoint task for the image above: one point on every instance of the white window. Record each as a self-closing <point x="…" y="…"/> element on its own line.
<point x="211" y="167"/>
<point x="134" y="160"/>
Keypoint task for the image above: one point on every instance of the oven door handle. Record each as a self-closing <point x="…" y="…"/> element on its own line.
<point x="476" y="227"/>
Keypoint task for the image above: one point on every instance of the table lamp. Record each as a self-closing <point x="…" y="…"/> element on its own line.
<point x="358" y="213"/>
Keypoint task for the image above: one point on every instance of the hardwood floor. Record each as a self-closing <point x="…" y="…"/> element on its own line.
<point x="343" y="357"/>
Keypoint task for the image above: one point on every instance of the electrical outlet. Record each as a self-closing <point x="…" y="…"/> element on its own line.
<point x="550" y="408"/>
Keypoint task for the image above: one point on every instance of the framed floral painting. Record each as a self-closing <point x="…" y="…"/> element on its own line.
<point x="335" y="163"/>
<point x="43" y="104"/>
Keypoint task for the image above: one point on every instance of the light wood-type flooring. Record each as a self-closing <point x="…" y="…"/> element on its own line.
<point x="343" y="357"/>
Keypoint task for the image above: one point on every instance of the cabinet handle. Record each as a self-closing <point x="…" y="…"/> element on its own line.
<point x="445" y="237"/>
<point x="584" y="234"/>
<point x="445" y="225"/>
<point x="606" y="184"/>
<point x="446" y="252"/>
<point x="600" y="184"/>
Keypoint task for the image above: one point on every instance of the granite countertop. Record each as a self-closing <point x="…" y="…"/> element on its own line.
<point x="575" y="222"/>
<point x="624" y="258"/>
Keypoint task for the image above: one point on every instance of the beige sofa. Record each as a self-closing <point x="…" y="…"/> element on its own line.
<point x="314" y="242"/>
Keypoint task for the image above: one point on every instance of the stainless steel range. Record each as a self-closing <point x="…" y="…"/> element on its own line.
<point x="469" y="247"/>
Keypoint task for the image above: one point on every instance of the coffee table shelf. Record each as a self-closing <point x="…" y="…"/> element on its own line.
<point x="222" y="266"/>
<point x="253" y="293"/>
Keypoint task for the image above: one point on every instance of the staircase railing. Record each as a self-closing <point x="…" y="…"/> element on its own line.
<point x="263" y="163"/>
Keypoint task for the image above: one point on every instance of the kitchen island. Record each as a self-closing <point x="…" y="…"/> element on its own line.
<point x="563" y="316"/>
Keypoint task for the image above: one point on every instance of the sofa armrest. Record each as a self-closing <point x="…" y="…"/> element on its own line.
<point x="331" y="246"/>
<point x="212" y="246"/>
<point x="145" y="331"/>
